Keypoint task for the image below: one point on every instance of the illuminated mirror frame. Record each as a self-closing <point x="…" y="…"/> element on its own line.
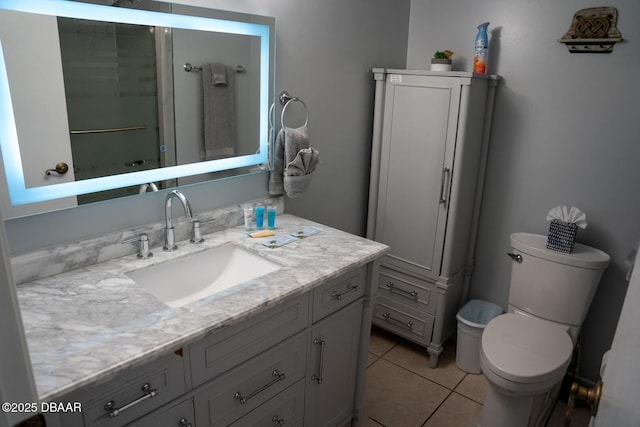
<point x="20" y="194"/>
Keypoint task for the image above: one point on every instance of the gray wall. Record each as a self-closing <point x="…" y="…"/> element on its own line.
<point x="564" y="133"/>
<point x="324" y="51"/>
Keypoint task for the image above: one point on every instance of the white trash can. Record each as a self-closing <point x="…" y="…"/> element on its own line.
<point x="473" y="317"/>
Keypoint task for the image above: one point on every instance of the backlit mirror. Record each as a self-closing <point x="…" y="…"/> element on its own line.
<point x="131" y="96"/>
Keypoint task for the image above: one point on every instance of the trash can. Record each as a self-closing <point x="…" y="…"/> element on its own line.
<point x="472" y="319"/>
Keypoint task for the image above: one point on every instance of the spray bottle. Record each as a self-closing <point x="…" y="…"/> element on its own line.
<point x="481" y="50"/>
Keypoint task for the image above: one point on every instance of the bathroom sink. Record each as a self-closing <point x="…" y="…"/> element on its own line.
<point x="187" y="279"/>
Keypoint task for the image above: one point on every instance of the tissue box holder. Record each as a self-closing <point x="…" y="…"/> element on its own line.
<point x="562" y="237"/>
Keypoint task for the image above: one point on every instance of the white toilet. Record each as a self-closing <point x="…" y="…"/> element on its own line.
<point x="524" y="353"/>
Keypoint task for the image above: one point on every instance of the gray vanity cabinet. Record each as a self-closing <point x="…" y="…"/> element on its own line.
<point x="431" y="134"/>
<point x="299" y="362"/>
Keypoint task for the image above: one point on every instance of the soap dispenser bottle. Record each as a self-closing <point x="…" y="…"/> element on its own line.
<point x="481" y="50"/>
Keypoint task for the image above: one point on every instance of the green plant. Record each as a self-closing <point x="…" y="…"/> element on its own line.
<point x="446" y="54"/>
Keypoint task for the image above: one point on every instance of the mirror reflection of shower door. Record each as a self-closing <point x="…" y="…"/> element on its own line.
<point x="111" y="89"/>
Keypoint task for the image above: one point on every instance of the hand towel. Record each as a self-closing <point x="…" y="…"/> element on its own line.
<point x="288" y="142"/>
<point x="294" y="163"/>
<point x="304" y="163"/>
<point x="295" y="139"/>
<point x="219" y="121"/>
<point x="276" y="176"/>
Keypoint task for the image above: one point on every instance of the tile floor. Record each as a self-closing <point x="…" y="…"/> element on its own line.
<point x="402" y="391"/>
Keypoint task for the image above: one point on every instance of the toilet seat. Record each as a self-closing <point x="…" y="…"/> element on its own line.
<point x="522" y="349"/>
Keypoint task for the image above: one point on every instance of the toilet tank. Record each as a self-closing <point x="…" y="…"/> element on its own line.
<point x="554" y="285"/>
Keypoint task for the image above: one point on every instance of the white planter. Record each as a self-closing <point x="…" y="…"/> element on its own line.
<point x="440" y="67"/>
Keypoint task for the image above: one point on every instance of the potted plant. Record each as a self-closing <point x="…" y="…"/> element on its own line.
<point x="441" y="60"/>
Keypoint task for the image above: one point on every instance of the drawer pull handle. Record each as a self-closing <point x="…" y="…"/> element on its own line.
<point x="446" y="176"/>
<point x="277" y="421"/>
<point x="184" y="423"/>
<point x="350" y="287"/>
<point x="314" y="377"/>
<point x="412" y="294"/>
<point x="147" y="394"/>
<point x="244" y="399"/>
<point x="387" y="317"/>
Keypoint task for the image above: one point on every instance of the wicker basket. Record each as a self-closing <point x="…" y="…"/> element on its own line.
<point x="562" y="237"/>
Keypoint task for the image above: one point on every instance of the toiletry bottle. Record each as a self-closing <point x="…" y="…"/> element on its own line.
<point x="249" y="223"/>
<point x="481" y="50"/>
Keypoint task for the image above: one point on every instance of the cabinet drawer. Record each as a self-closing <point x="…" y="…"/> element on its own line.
<point x="403" y="320"/>
<point x="338" y="293"/>
<point x="225" y="349"/>
<point x="132" y="394"/>
<point x="285" y="409"/>
<point x="178" y="415"/>
<point x="416" y="293"/>
<point x="241" y="390"/>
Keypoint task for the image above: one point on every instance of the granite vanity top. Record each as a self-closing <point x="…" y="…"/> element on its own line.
<point x="86" y="325"/>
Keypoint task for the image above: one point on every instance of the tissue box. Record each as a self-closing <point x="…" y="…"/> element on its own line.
<point x="561" y="236"/>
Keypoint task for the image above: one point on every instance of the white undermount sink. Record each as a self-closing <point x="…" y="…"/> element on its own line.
<point x="189" y="278"/>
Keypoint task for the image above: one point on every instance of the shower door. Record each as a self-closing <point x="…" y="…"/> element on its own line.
<point x="111" y="90"/>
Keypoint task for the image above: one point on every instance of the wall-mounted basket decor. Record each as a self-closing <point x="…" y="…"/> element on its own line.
<point x="593" y="30"/>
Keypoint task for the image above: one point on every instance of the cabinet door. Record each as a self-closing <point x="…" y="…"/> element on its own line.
<point x="331" y="372"/>
<point x="418" y="142"/>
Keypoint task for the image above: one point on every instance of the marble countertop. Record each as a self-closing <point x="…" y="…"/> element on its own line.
<point x="86" y="325"/>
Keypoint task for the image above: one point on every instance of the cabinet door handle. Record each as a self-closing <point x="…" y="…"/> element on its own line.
<point x="244" y="399"/>
<point x="147" y="394"/>
<point x="277" y="421"/>
<point x="350" y="288"/>
<point x="412" y="294"/>
<point x="388" y="318"/>
<point x="446" y="176"/>
<point x="318" y="378"/>
<point x="183" y="422"/>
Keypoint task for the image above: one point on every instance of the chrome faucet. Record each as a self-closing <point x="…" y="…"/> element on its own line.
<point x="169" y="233"/>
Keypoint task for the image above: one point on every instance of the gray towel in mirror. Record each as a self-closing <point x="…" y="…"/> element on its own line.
<point x="219" y="112"/>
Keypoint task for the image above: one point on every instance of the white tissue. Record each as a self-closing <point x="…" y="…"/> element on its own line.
<point x="568" y="216"/>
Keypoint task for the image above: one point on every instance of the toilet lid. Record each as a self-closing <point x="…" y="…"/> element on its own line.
<point x="526" y="350"/>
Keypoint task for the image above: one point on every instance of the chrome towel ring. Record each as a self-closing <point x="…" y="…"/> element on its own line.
<point x="286" y="100"/>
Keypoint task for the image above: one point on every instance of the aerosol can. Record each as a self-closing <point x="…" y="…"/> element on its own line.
<point x="481" y="50"/>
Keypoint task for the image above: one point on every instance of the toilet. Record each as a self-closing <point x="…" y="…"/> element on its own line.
<point x="525" y="352"/>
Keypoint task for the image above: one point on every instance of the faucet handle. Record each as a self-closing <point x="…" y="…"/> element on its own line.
<point x="197" y="233"/>
<point x="143" y="251"/>
<point x="197" y="230"/>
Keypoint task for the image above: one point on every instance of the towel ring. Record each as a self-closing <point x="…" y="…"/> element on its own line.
<point x="272" y="116"/>
<point x="285" y="109"/>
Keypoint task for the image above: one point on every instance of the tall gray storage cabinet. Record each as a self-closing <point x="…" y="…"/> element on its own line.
<point x="430" y="138"/>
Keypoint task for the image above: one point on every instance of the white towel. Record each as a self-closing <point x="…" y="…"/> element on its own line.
<point x="219" y="118"/>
